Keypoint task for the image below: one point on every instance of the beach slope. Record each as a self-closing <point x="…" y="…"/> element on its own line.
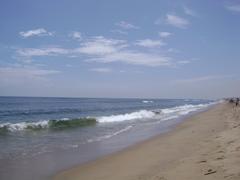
<point x="204" y="146"/>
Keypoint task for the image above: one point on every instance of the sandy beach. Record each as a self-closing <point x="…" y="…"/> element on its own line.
<point x="204" y="146"/>
<point x="119" y="90"/>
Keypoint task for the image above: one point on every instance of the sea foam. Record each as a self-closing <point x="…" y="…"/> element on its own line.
<point x="143" y="114"/>
<point x="164" y="114"/>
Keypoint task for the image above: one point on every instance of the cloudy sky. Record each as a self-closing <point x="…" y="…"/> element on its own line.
<point x="127" y="48"/>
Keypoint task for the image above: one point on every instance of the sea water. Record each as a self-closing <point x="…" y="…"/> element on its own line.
<point x="40" y="136"/>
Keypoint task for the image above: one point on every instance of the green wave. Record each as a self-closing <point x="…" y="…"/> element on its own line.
<point x="46" y="125"/>
<point x="78" y="122"/>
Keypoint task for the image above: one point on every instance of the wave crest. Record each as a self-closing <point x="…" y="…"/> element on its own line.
<point x="143" y="114"/>
<point x="161" y="114"/>
<point x="47" y="124"/>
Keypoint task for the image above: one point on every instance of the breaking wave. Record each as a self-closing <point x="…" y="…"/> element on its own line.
<point x="47" y="124"/>
<point x="143" y="114"/>
<point x="147" y="101"/>
<point x="160" y="114"/>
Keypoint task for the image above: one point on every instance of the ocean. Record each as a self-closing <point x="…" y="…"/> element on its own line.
<point x="40" y="136"/>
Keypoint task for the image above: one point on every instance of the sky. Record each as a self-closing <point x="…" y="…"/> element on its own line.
<point x="120" y="49"/>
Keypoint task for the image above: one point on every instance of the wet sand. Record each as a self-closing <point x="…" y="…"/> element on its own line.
<point x="204" y="146"/>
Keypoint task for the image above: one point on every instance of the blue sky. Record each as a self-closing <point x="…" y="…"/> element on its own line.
<point x="109" y="48"/>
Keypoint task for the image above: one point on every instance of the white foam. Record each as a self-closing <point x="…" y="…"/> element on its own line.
<point x="126" y="117"/>
<point x="13" y="127"/>
<point x="107" y="136"/>
<point x="185" y="109"/>
<point x="146" y="101"/>
<point x="162" y="114"/>
<point x="24" y="125"/>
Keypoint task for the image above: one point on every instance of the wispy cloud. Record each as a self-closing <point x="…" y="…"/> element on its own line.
<point x="176" y="21"/>
<point x="126" y="25"/>
<point x="234" y="8"/>
<point x="164" y="34"/>
<point x="135" y="58"/>
<point x="203" y="78"/>
<point x="119" y="31"/>
<point x="35" y="32"/>
<point x="99" y="45"/>
<point x="15" y="75"/>
<point x="106" y="50"/>
<point x="76" y="35"/>
<point x="149" y="43"/>
<point x="101" y="70"/>
<point x="50" y="51"/>
<point x="26" y="71"/>
<point x="26" y="77"/>
<point x="189" y="11"/>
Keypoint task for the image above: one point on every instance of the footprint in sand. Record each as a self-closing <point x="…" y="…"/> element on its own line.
<point x="237" y="148"/>
<point x="230" y="142"/>
<point x="235" y="126"/>
<point x="202" y="161"/>
<point x="210" y="171"/>
<point x="220" y="158"/>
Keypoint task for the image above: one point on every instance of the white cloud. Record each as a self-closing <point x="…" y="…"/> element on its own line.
<point x="101" y="46"/>
<point x="176" y="21"/>
<point x="189" y="11"/>
<point x="149" y="43"/>
<point x="164" y="34"/>
<point x="51" y="51"/>
<point x="35" y="32"/>
<point x="126" y="25"/>
<point x="135" y="58"/>
<point x="76" y="35"/>
<point x="101" y="70"/>
<point x="234" y="8"/>
<point x="105" y="50"/>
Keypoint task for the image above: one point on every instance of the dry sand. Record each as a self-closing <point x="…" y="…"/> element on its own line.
<point x="206" y="146"/>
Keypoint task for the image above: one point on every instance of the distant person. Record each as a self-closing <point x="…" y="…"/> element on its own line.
<point x="237" y="102"/>
<point x="231" y="100"/>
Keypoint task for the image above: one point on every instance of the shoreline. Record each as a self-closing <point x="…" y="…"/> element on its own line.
<point x="73" y="147"/>
<point x="196" y="148"/>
